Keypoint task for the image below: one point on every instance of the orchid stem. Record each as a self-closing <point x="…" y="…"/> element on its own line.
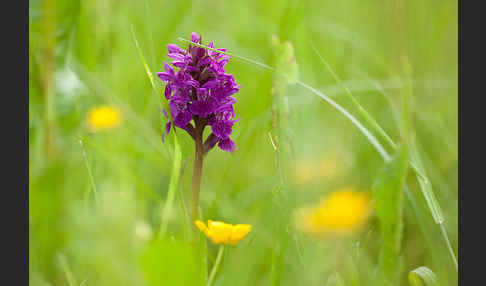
<point x="216" y="265"/>
<point x="197" y="171"/>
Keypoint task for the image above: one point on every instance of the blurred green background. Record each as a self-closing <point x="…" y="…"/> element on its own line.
<point x="96" y="200"/>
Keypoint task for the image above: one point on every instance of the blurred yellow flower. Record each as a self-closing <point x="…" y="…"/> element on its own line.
<point x="223" y="233"/>
<point x="328" y="167"/>
<point x="342" y="213"/>
<point x="102" y="117"/>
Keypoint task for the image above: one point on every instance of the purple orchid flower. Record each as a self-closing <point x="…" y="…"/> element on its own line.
<point x="200" y="94"/>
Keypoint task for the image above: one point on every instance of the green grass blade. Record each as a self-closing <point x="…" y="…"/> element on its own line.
<point x="144" y="62"/>
<point x="174" y="181"/>
<point x="416" y="276"/>
<point x="426" y="188"/>
<point x="388" y="195"/>
<point x="151" y="77"/>
<point x="358" y="106"/>
<point x="372" y="139"/>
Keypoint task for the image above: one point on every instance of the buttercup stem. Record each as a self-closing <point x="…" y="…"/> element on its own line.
<point x="197" y="171"/>
<point x="216" y="265"/>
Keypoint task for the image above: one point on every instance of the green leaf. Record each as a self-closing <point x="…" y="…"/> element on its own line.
<point x="416" y="276"/>
<point x="388" y="195"/>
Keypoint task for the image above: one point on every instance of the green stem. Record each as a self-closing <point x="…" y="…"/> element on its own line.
<point x="216" y="265"/>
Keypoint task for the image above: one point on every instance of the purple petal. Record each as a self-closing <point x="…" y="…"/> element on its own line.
<point x="167" y="127"/>
<point x="225" y="105"/>
<point x="167" y="130"/>
<point x="211" y="141"/>
<point x="179" y="64"/>
<point x="167" y="92"/>
<point x="222" y="128"/>
<point x="176" y="56"/>
<point x="174" y="48"/>
<point x="227" y="145"/>
<point x="180" y="97"/>
<point x="211" y="84"/>
<point x="202" y="108"/>
<point x="168" y="69"/>
<point x="192" y="83"/>
<point x="182" y="119"/>
<point x="195" y="38"/>
<point x="164" y="76"/>
<point x="192" y="69"/>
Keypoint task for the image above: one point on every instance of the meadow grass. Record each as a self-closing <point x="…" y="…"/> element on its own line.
<point x="111" y="208"/>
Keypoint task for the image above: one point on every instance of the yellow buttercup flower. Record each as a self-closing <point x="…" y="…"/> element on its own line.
<point x="223" y="233"/>
<point x="342" y="213"/>
<point x="103" y="117"/>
